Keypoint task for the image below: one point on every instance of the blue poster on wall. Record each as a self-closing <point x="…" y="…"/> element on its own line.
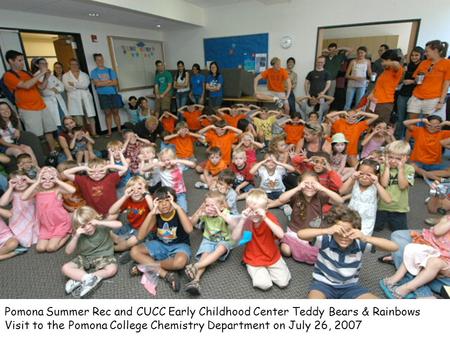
<point x="236" y="51"/>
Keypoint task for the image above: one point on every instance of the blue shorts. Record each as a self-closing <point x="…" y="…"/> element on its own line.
<point x="161" y="251"/>
<point x="274" y="194"/>
<point x="209" y="246"/>
<point x="344" y="292"/>
<point x="431" y="167"/>
<point x="126" y="231"/>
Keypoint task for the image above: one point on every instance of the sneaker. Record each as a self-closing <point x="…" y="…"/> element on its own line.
<point x="124" y="257"/>
<point x="71" y="285"/>
<point x="20" y="250"/>
<point x="200" y="185"/>
<point x="278" y="102"/>
<point x="89" y="285"/>
<point x="432" y="221"/>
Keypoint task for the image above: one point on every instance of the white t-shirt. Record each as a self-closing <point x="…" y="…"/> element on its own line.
<point x="271" y="183"/>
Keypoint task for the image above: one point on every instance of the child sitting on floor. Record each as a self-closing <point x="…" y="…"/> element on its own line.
<point x="94" y="249"/>
<point x="224" y="185"/>
<point x="213" y="167"/>
<point x="249" y="145"/>
<point x="341" y="247"/>
<point x="184" y="141"/>
<point x="216" y="243"/>
<point x="8" y="243"/>
<point x="244" y="181"/>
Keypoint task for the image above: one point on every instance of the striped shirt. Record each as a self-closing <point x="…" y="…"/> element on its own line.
<point x="336" y="266"/>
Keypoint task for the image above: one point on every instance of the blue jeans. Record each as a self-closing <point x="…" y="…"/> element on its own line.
<point x="215" y="101"/>
<point x="197" y="98"/>
<point x="401" y="116"/>
<point x="356" y="93"/>
<point x="182" y="202"/>
<point x="182" y="99"/>
<point x="402" y="238"/>
<point x="3" y="183"/>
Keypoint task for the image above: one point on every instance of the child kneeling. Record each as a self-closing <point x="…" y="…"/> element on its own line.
<point x="262" y="255"/>
<point x="95" y="252"/>
<point x="171" y="250"/>
<point x="342" y="244"/>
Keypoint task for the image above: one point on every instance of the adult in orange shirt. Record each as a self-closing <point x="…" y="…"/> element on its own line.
<point x="382" y="97"/>
<point x="427" y="151"/>
<point x="32" y="108"/>
<point x="222" y="136"/>
<point x="352" y="127"/>
<point x="278" y="85"/>
<point x="433" y="79"/>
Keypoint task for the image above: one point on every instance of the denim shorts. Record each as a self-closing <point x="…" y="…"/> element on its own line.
<point x="351" y="291"/>
<point x="431" y="167"/>
<point x="161" y="251"/>
<point x="110" y="101"/>
<point x="209" y="246"/>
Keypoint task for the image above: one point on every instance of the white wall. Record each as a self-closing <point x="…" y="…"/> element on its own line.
<point x="12" y="19"/>
<point x="300" y="19"/>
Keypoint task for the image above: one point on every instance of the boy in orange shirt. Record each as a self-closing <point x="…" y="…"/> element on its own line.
<point x="383" y="93"/>
<point x="427" y="152"/>
<point x="222" y="136"/>
<point x="183" y="140"/>
<point x="294" y="128"/>
<point x="192" y="115"/>
<point x="352" y="127"/>
<point x="233" y="114"/>
<point x="213" y="167"/>
<point x="168" y="122"/>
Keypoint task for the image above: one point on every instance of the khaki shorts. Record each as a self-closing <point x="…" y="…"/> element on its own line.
<point x="418" y="106"/>
<point x="163" y="104"/>
<point x="263" y="277"/>
<point x="93" y="263"/>
<point x="281" y="95"/>
<point x="38" y="121"/>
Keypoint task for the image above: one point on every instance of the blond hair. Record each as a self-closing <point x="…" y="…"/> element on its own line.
<point x="97" y="162"/>
<point x="398" y="148"/>
<point x="257" y="196"/>
<point x="150" y="146"/>
<point x="136" y="180"/>
<point x="84" y="215"/>
<point x="215" y="195"/>
<point x="167" y="151"/>
<point x="114" y="144"/>
<point x="239" y="151"/>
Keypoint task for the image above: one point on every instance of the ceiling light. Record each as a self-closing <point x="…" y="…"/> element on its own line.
<point x="158" y="26"/>
<point x="94" y="14"/>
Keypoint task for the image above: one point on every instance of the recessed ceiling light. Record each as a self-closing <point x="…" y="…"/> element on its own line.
<point x="94" y="14"/>
<point x="158" y="26"/>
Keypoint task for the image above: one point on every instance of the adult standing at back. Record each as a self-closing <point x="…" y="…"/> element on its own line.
<point x="32" y="109"/>
<point x="163" y="88"/>
<point x="317" y="81"/>
<point x="181" y="84"/>
<point x="290" y="64"/>
<point x="356" y="74"/>
<point x="80" y="102"/>
<point x="197" y="94"/>
<point x="377" y="66"/>
<point x="214" y="85"/>
<point x="105" y="82"/>
<point x="279" y="85"/>
<point x="334" y="57"/>
<point x="432" y="78"/>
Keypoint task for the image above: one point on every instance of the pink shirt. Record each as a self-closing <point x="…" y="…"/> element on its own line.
<point x="173" y="178"/>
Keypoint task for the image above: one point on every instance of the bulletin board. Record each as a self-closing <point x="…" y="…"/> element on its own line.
<point x="134" y="61"/>
<point x="248" y="52"/>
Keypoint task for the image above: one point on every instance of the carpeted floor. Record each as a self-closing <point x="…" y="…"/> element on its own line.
<point x="35" y="275"/>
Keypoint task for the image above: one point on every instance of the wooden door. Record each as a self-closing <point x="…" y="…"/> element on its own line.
<point x="64" y="51"/>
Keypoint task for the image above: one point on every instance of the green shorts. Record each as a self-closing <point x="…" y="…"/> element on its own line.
<point x="93" y="263"/>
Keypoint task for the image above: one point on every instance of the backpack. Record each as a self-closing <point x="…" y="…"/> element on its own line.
<point x="4" y="90"/>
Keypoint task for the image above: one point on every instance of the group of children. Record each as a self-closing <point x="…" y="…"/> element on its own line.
<point x="135" y="201"/>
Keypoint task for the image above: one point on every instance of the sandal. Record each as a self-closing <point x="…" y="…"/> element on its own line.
<point x="191" y="271"/>
<point x="383" y="259"/>
<point x="193" y="288"/>
<point x="173" y="279"/>
<point x="391" y="291"/>
<point x="134" y="271"/>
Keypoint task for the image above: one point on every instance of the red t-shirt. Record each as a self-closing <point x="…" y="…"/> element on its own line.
<point x="100" y="195"/>
<point x="242" y="174"/>
<point x="137" y="211"/>
<point x="262" y="250"/>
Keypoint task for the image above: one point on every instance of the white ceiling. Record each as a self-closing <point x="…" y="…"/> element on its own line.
<point x="80" y="9"/>
<point x="216" y="3"/>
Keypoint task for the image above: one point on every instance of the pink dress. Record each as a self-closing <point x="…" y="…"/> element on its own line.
<point x="54" y="220"/>
<point x="23" y="222"/>
<point x="5" y="233"/>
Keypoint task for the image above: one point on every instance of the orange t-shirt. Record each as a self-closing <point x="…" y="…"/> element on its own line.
<point x="168" y="124"/>
<point x="184" y="146"/>
<point x="224" y="142"/>
<point x="427" y="147"/>
<point x="192" y="119"/>
<point x="352" y="133"/>
<point x="275" y="79"/>
<point x="431" y="87"/>
<point x="233" y="120"/>
<point x="205" y="122"/>
<point x="294" y="132"/>
<point x="215" y="170"/>
<point x="387" y="84"/>
<point x="27" y="99"/>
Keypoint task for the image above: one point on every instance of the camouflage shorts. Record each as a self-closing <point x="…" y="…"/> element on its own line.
<point x="94" y="263"/>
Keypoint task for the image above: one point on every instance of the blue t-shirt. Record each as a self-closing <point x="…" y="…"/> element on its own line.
<point x="212" y="81"/>
<point x="197" y="82"/>
<point x="104" y="74"/>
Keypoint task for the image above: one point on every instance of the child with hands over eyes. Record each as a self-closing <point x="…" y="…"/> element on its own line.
<point x="54" y="221"/>
<point x="81" y="145"/>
